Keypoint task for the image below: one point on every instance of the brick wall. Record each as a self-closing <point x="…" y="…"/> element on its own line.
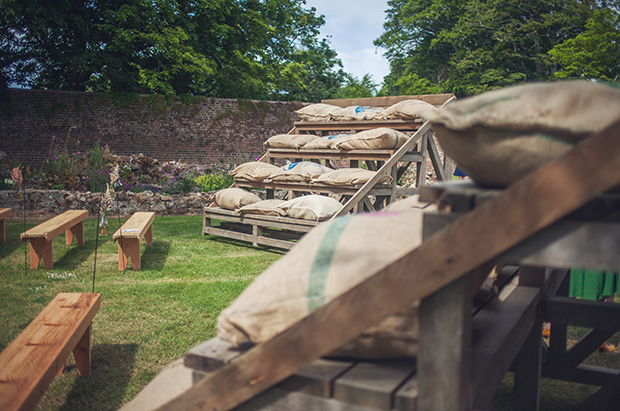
<point x="207" y="131"/>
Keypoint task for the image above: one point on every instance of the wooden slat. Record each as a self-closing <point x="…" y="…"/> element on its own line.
<point x="587" y="345"/>
<point x="5" y="212"/>
<point x="534" y="202"/>
<point x="354" y="126"/>
<point x="271" y="242"/>
<point x="317" y="378"/>
<point x="30" y="363"/>
<point x="331" y="154"/>
<point x="373" y="384"/>
<point x="376" y="189"/>
<point x="605" y="399"/>
<point x="581" y="313"/>
<point x="582" y="374"/>
<point x="136" y="226"/>
<point x="56" y="225"/>
<point x="434" y="99"/>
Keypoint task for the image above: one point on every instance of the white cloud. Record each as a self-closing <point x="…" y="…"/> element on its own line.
<point x="354" y="25"/>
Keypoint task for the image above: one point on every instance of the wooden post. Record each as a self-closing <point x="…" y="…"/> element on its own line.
<point x="40" y="248"/>
<point x="81" y="352"/>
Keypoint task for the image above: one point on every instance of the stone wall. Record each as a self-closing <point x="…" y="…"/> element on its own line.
<point x="44" y="203"/>
<point x="204" y="131"/>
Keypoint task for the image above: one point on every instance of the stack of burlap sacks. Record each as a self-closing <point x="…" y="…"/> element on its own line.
<point x="497" y="138"/>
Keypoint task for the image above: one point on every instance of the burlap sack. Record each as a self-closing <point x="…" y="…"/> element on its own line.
<point x="356" y="113"/>
<point x="234" y="198"/>
<point x="316" y="112"/>
<point x="265" y="207"/>
<point x="253" y="171"/>
<point x="375" y="139"/>
<point x="290" y="140"/>
<point x="409" y="109"/>
<point x="329" y="260"/>
<point x="409" y="203"/>
<point x="325" y="142"/>
<point x="349" y="176"/>
<point x="311" y="207"/>
<point x="501" y="136"/>
<point x="303" y="171"/>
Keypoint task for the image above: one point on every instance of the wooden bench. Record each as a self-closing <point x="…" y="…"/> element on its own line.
<point x="4" y="213"/>
<point x="30" y="363"/>
<point x="41" y="236"/>
<point x="128" y="236"/>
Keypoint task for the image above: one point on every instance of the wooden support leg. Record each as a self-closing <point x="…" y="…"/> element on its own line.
<point x="445" y="348"/>
<point x="128" y="248"/>
<point x="41" y="249"/>
<point x="77" y="231"/>
<point x="81" y="353"/>
<point x="2" y="231"/>
<point x="256" y="232"/>
<point x="527" y="367"/>
<point x="148" y="236"/>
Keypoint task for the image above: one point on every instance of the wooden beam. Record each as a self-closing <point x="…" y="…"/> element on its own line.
<point x="532" y="203"/>
<point x="581" y="313"/>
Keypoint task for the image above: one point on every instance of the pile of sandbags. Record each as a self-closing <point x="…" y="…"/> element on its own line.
<point x="503" y="135"/>
<point x="403" y="110"/>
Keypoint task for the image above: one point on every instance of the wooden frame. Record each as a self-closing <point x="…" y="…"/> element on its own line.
<point x="4" y="213"/>
<point x="41" y="236"/>
<point x="139" y="225"/>
<point x="255" y="228"/>
<point x="30" y="363"/>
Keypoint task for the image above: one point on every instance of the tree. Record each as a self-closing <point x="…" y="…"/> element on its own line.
<point x="220" y="48"/>
<point x="593" y="54"/>
<point x="356" y="88"/>
<point x="467" y="47"/>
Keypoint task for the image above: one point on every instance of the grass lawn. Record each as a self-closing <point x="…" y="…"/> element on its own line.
<point x="148" y="318"/>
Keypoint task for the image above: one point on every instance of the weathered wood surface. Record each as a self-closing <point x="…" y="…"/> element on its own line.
<point x="318" y="188"/>
<point x="384" y="102"/>
<point x="129" y="235"/>
<point x="526" y="207"/>
<point x="333" y="154"/>
<point x="55" y="225"/>
<point x="137" y="225"/>
<point x="41" y="237"/>
<point x="30" y="363"/>
<point x="355" y="126"/>
<point x="4" y="213"/>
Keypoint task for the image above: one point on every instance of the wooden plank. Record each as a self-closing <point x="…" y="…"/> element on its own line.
<point x="582" y="374"/>
<point x="331" y="154"/>
<point x="317" y="378"/>
<point x="353" y="126"/>
<point x="316" y="188"/>
<point x="421" y="166"/>
<point x="5" y="212"/>
<point x="581" y="313"/>
<point x="527" y="206"/>
<point x="499" y="331"/>
<point x="136" y="226"/>
<point x="406" y="398"/>
<point x="434" y="99"/>
<point x="444" y="368"/>
<point x="30" y="363"/>
<point x="433" y="152"/>
<point x="213" y="354"/>
<point x="264" y="220"/>
<point x="373" y="384"/>
<point x="605" y="399"/>
<point x="527" y="370"/>
<point x="249" y="238"/>
<point x="56" y="225"/>
<point x="587" y="345"/>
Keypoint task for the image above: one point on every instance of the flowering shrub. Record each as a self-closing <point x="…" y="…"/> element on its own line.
<point x="213" y="182"/>
<point x="178" y="179"/>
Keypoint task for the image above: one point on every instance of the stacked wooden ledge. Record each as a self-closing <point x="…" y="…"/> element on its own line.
<point x="139" y="225"/>
<point x="30" y="363"/>
<point x="41" y="236"/>
<point x="257" y="229"/>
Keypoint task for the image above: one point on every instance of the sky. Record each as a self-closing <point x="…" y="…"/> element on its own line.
<point x="353" y="25"/>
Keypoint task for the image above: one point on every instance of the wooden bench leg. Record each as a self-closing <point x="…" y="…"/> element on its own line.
<point x="40" y="248"/>
<point x="129" y="248"/>
<point x="2" y="231"/>
<point x="81" y="353"/>
<point x="148" y="236"/>
<point x="77" y="231"/>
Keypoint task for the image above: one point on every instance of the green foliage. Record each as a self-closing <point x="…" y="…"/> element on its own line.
<point x="213" y="182"/>
<point x="356" y="88"/>
<point x="222" y="48"/>
<point x="593" y="54"/>
<point x="468" y="47"/>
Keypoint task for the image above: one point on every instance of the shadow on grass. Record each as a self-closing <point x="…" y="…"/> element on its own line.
<point x="111" y="372"/>
<point x="75" y="255"/>
<point x="244" y="244"/>
<point x="155" y="256"/>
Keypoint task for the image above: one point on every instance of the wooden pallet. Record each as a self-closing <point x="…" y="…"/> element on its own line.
<point x="279" y="232"/>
